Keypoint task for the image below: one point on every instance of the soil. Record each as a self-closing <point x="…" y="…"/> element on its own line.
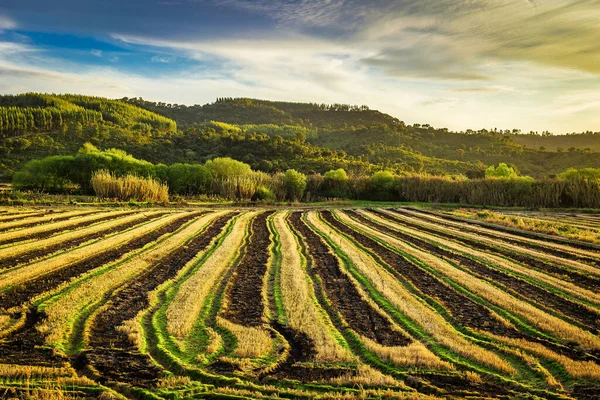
<point x="112" y="354"/>
<point x="245" y="305"/>
<point x="32" y="255"/>
<point x="342" y="293"/>
<point x="48" y="233"/>
<point x="302" y="349"/>
<point x="514" y="285"/>
<point x="587" y="282"/>
<point x="20" y="294"/>
<point x="515" y="232"/>
<point x="23" y="345"/>
<point x="35" y="223"/>
<point x="456" y="385"/>
<point x="464" y="310"/>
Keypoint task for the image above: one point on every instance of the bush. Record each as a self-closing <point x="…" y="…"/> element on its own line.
<point x="336" y="183"/>
<point x="188" y="179"/>
<point x="263" y="193"/>
<point x="295" y="184"/>
<point x="129" y="187"/>
<point x="501" y="171"/>
<point x="381" y="185"/>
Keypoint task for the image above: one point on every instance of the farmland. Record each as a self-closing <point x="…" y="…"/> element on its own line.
<point x="307" y="303"/>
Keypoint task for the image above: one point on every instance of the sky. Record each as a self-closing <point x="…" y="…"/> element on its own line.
<point x="459" y="64"/>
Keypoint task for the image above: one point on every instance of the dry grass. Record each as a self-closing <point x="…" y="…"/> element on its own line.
<point x="408" y="304"/>
<point x="44" y="219"/>
<point x="38" y="268"/>
<point x="183" y="311"/>
<point x="299" y="299"/>
<point x="60" y="313"/>
<point x="129" y="187"/>
<point x="366" y="375"/>
<point x="37" y="372"/>
<point x="457" y="227"/>
<point x="535" y="225"/>
<point x="23" y="233"/>
<point x="537" y="317"/>
<point x="577" y="369"/>
<point x="19" y="249"/>
<point x="251" y="341"/>
<point x="497" y="260"/>
<point x="413" y="355"/>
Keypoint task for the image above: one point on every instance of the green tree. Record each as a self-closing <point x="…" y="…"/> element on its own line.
<point x="225" y="167"/>
<point x="501" y="171"/>
<point x="336" y="183"/>
<point x="295" y="184"/>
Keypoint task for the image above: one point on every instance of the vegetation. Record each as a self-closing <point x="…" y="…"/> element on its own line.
<point x="273" y="137"/>
<point x="128" y="187"/>
<point x="303" y="304"/>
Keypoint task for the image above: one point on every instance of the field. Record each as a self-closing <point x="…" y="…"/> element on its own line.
<point x="333" y="303"/>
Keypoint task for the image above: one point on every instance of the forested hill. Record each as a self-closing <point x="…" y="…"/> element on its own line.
<point x="386" y="141"/>
<point x="272" y="136"/>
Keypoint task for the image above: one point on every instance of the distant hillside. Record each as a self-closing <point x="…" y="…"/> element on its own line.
<point x="386" y="141"/>
<point x="588" y="141"/>
<point x="272" y="136"/>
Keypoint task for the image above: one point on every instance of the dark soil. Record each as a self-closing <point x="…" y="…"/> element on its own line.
<point x="75" y="225"/>
<point x="245" y="305"/>
<point x="512" y="284"/>
<point x="32" y="255"/>
<point x="466" y="312"/>
<point x="22" y="346"/>
<point x="302" y="349"/>
<point x="456" y="385"/>
<point x="587" y="282"/>
<point x="524" y="234"/>
<point x="342" y="293"/>
<point x="112" y="353"/>
<point x="18" y="295"/>
<point x="55" y="219"/>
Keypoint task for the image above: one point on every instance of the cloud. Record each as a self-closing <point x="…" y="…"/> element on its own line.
<point x="6" y="23"/>
<point x="481" y="89"/>
<point x="161" y="59"/>
<point x="96" y="53"/>
<point x="451" y="39"/>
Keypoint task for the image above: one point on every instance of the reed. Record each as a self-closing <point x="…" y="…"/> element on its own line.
<point x="129" y="187"/>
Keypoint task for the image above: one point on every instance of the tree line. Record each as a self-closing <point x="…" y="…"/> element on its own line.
<point x="231" y="179"/>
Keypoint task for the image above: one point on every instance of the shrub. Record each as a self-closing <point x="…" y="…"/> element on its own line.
<point x="336" y="183"/>
<point x="129" y="187"/>
<point x="263" y="193"/>
<point x="501" y="171"/>
<point x="188" y="179"/>
<point x="294" y="183"/>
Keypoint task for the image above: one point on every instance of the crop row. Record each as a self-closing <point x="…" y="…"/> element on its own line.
<point x="296" y="304"/>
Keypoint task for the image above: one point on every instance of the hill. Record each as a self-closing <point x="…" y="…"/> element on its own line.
<point x="272" y="136"/>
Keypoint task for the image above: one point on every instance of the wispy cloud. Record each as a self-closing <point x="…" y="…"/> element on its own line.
<point x="162" y="59"/>
<point x="6" y="23"/>
<point x="96" y="53"/>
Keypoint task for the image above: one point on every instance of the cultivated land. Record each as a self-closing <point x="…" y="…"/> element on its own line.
<point x="394" y="302"/>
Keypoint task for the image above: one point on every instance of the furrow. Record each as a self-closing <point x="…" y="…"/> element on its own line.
<point x="28" y="252"/>
<point x="46" y="231"/>
<point x="245" y="304"/>
<point x="342" y="293"/>
<point x="517" y="287"/>
<point x="111" y="353"/>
